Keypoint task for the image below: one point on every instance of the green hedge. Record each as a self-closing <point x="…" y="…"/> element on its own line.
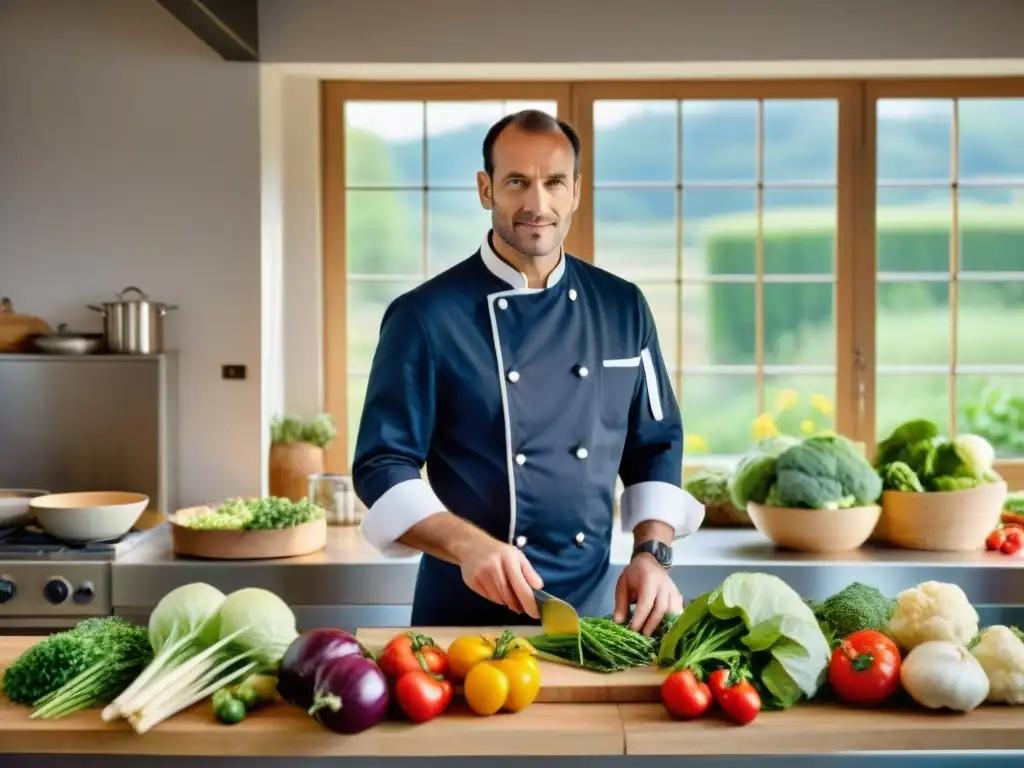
<point x="802" y="241"/>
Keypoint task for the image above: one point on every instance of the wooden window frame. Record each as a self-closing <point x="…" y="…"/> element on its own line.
<point x="855" y="259"/>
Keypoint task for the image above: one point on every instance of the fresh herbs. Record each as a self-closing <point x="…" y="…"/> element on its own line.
<point x="601" y="646"/>
<point x="79" y="668"/>
<point x="256" y="515"/>
<point x="289" y="429"/>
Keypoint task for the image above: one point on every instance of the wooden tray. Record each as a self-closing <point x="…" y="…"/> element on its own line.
<point x="245" y="545"/>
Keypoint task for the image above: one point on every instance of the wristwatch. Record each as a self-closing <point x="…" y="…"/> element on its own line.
<point x="661" y="551"/>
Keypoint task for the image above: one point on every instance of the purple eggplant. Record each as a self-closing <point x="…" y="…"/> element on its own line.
<point x="307" y="652"/>
<point x="350" y="695"/>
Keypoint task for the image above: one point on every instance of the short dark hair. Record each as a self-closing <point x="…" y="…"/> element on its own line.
<point x="532" y="121"/>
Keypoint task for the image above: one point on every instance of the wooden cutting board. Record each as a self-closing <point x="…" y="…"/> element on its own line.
<point x="559" y="683"/>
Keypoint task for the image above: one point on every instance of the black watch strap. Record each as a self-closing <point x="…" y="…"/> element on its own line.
<point x="661" y="551"/>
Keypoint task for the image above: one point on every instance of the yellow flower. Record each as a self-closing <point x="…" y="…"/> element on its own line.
<point x="807" y="426"/>
<point x="822" y="404"/>
<point x="696" y="443"/>
<point x="786" y="400"/>
<point x="764" y="426"/>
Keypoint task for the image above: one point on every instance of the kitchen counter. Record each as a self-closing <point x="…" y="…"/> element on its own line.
<point x="542" y="731"/>
<point x="349" y="572"/>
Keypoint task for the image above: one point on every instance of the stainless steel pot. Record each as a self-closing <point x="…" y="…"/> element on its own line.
<point x="133" y="326"/>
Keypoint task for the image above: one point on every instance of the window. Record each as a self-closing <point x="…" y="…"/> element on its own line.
<point x="817" y="255"/>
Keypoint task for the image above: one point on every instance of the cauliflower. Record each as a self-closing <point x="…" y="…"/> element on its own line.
<point x="1001" y="653"/>
<point x="933" y="610"/>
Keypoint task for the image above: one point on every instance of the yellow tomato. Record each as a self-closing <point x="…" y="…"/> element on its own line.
<point x="468" y="651"/>
<point x="523" y="675"/>
<point x="486" y="688"/>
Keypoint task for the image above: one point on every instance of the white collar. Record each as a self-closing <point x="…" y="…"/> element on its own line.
<point x="502" y="269"/>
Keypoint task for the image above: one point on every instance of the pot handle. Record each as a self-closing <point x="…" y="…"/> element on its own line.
<point x="95" y="308"/>
<point x="129" y="289"/>
<point x="165" y="308"/>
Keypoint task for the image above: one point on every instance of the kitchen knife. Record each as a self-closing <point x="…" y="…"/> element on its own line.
<point x="557" y="617"/>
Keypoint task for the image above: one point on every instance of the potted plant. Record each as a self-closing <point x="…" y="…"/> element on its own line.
<point x="297" y="451"/>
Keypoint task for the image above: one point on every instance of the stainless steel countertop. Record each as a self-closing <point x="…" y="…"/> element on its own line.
<point x="350" y="572"/>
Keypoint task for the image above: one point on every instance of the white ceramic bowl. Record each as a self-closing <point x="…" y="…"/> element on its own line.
<point x="78" y="518"/>
<point x="14" y="506"/>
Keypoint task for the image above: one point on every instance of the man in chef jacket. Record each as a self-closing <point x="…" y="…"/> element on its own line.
<point x="526" y="380"/>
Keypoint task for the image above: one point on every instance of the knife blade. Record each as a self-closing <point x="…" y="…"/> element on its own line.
<point x="557" y="617"/>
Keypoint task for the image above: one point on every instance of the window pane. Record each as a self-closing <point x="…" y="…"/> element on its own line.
<point x="991" y="140"/>
<point x="801" y="140"/>
<point x="915" y="140"/>
<point x="718" y="323"/>
<point x="912" y="323"/>
<point x="913" y="226"/>
<point x="720" y="142"/>
<point x="798" y="404"/>
<point x="635" y="141"/>
<point x="799" y="324"/>
<point x="718" y="414"/>
<point x="384" y="232"/>
<point x="635" y="232"/>
<point x="356" y="398"/>
<point x="901" y="397"/>
<point x="799" y="227"/>
<point x="455" y="136"/>
<point x="991" y="223"/>
<point x="990" y="323"/>
<point x="993" y="407"/>
<point x="383" y="144"/>
<point x="663" y="301"/>
<point x="456" y="226"/>
<point x="366" y="304"/>
<point x="719" y="231"/>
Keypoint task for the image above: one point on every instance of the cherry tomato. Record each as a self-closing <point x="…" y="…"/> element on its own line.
<point x="685" y="696"/>
<point x="737" y="697"/>
<point x="865" y="668"/>
<point x="422" y="696"/>
<point x="404" y="652"/>
<point x="486" y="688"/>
<point x="1012" y="541"/>
<point x="995" y="540"/>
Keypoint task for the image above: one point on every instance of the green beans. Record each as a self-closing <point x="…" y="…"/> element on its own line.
<point x="601" y="646"/>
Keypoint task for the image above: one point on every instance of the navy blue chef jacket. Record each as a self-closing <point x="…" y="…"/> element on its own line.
<point x="524" y="404"/>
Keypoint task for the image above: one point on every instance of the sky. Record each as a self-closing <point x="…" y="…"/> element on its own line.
<point x="398" y="121"/>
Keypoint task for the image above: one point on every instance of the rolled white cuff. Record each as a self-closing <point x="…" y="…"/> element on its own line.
<point x="664" y="502"/>
<point x="394" y="513"/>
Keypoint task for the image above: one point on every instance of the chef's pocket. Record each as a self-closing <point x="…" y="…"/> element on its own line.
<point x="619" y="378"/>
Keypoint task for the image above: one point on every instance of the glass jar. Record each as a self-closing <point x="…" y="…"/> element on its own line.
<point x="338" y="498"/>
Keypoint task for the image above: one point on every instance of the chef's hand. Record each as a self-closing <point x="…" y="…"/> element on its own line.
<point x="502" y="574"/>
<point x="648" y="585"/>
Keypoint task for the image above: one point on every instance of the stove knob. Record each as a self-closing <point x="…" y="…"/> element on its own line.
<point x="57" y="590"/>
<point x="85" y="593"/>
<point x="8" y="589"/>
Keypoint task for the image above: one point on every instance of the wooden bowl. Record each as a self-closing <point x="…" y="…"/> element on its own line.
<point x="245" y="545"/>
<point x="78" y="518"/>
<point x="815" y="530"/>
<point x="946" y="521"/>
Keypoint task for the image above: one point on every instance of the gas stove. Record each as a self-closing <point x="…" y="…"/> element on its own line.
<point x="46" y="583"/>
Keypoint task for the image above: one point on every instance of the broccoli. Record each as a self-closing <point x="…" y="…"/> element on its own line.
<point x="898" y="476"/>
<point x="755" y="473"/>
<point x="825" y="472"/>
<point x="855" y="607"/>
<point x="710" y="486"/>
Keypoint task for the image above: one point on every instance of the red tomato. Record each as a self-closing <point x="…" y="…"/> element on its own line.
<point x="685" y="696"/>
<point x="995" y="539"/>
<point x="865" y="668"/>
<point x="410" y="652"/>
<point x="738" y="698"/>
<point x="421" y="696"/>
<point x="1012" y="541"/>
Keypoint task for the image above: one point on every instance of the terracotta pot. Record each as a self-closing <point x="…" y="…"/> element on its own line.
<point x="291" y="464"/>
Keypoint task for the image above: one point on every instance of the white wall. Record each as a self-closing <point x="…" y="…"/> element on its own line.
<point x="129" y="155"/>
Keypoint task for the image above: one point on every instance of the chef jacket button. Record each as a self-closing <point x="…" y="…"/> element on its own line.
<point x="572" y="294"/>
<point x="520" y="541"/>
<point x="579" y="539"/>
<point x="582" y="371"/>
<point x="502" y="304"/>
<point x="513" y="376"/>
<point x="520" y="459"/>
<point x="582" y="453"/>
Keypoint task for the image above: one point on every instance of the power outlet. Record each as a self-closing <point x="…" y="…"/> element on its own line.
<point x="232" y="372"/>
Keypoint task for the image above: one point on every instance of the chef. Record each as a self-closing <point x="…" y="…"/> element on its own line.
<point x="526" y="381"/>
